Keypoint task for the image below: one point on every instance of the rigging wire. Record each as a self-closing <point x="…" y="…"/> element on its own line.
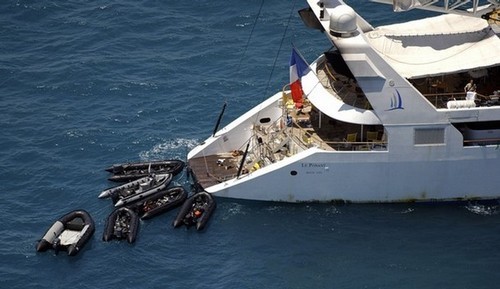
<point x="279" y="50"/>
<point x="245" y="49"/>
<point x="237" y="70"/>
<point x="265" y="94"/>
<point x="250" y="36"/>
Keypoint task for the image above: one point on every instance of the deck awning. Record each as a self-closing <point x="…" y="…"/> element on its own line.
<point x="331" y="105"/>
<point x="437" y="45"/>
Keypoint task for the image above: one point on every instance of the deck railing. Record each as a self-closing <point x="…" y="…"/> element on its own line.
<point x="440" y="100"/>
<point x="482" y="142"/>
<point x="307" y="139"/>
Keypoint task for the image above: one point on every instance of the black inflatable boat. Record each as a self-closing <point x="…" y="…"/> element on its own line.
<point x="131" y="171"/>
<point x="160" y="202"/>
<point x="196" y="211"/>
<point x="122" y="223"/>
<point x="69" y="233"/>
<point x="137" y="190"/>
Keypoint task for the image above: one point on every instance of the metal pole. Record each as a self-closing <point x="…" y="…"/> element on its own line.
<point x="219" y="119"/>
<point x="243" y="160"/>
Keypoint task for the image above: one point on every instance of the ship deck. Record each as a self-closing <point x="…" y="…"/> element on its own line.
<point x="306" y="131"/>
<point x="214" y="169"/>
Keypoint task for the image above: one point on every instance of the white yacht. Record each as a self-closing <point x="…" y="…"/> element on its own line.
<point x="384" y="116"/>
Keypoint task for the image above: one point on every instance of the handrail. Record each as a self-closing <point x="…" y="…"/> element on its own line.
<point x="329" y="72"/>
<point x="306" y="133"/>
<point x="461" y="94"/>
<point x="482" y="140"/>
<point x="338" y="145"/>
<point x="354" y="146"/>
<point x="447" y="96"/>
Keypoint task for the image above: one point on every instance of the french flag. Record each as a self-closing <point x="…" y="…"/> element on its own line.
<point x="297" y="69"/>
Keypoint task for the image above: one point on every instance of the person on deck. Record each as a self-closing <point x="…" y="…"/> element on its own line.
<point x="470" y="86"/>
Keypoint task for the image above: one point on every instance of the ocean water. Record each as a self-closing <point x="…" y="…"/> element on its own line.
<point x="85" y="84"/>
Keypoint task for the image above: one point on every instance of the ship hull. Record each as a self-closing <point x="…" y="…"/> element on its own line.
<point x="397" y="174"/>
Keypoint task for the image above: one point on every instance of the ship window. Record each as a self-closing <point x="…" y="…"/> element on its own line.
<point x="480" y="133"/>
<point x="424" y="136"/>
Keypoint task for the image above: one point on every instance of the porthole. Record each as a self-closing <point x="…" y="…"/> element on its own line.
<point x="265" y="120"/>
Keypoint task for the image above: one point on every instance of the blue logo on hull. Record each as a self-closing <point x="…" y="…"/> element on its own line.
<point x="396" y="102"/>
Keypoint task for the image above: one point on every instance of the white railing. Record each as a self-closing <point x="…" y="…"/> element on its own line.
<point x="476" y="8"/>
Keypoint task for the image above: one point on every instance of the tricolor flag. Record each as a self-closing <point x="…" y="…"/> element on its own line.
<point x="298" y="67"/>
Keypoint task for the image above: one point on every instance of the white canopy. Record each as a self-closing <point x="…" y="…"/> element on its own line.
<point x="438" y="45"/>
<point x="331" y="105"/>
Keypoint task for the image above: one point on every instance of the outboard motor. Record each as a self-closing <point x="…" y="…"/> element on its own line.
<point x="56" y="244"/>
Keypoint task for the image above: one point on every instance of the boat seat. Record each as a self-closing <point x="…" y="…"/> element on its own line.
<point x="371" y="136"/>
<point x="69" y="237"/>
<point x="351" y="137"/>
<point x="75" y="225"/>
<point x="306" y="138"/>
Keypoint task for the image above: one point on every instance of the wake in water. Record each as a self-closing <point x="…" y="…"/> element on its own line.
<point x="170" y="149"/>
<point x="482" y="210"/>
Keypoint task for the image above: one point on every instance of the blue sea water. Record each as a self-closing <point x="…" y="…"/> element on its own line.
<point x="85" y="84"/>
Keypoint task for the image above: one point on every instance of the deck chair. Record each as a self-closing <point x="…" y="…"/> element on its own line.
<point x="307" y="139"/>
<point x="350" y="138"/>
<point x="371" y="136"/>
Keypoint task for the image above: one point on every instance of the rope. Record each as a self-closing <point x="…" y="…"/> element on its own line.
<point x="265" y="94"/>
<point x="250" y="36"/>
<point x="238" y="67"/>
<point x="279" y="50"/>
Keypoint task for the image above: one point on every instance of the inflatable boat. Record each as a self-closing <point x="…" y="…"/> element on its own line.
<point x="160" y="202"/>
<point x="131" y="171"/>
<point x="122" y="223"/>
<point x="137" y="190"/>
<point x="196" y="211"/>
<point x="69" y="233"/>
